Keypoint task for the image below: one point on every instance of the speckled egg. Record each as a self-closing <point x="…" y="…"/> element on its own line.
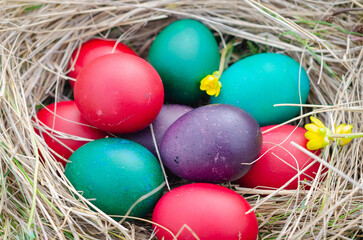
<point x="213" y="143"/>
<point x="183" y="54"/>
<point x="114" y="173"/>
<point x="258" y="82"/>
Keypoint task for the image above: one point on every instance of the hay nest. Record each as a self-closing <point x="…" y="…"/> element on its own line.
<point x="38" y="37"/>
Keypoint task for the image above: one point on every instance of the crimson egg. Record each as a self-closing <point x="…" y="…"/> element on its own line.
<point x="91" y="50"/>
<point x="61" y="121"/>
<point x="119" y="93"/>
<point x="280" y="161"/>
<point x="208" y="211"/>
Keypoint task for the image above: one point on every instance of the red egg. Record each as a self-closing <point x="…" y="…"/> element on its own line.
<point x="91" y="50"/>
<point x="209" y="211"/>
<point x="279" y="160"/>
<point x="64" y="117"/>
<point x="119" y="93"/>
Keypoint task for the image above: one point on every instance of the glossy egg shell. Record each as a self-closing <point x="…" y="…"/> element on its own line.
<point x="211" y="211"/>
<point x="168" y="114"/>
<point x="64" y="117"/>
<point x="280" y="160"/>
<point x="213" y="143"/>
<point x="258" y="82"/>
<point x="183" y="54"/>
<point x="91" y="50"/>
<point x="119" y="93"/>
<point x="116" y="173"/>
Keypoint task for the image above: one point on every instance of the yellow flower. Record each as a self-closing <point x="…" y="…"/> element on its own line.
<point x="343" y="129"/>
<point x="211" y="84"/>
<point x="317" y="134"/>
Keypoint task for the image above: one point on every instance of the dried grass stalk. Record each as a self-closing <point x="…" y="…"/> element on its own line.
<point x="38" y="37"/>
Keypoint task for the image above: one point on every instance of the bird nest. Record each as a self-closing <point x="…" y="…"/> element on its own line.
<point x="38" y="38"/>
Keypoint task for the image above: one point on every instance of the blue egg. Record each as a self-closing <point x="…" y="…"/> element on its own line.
<point x="258" y="82"/>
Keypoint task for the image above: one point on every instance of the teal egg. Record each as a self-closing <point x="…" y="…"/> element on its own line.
<point x="183" y="54"/>
<point x="258" y="82"/>
<point x="114" y="173"/>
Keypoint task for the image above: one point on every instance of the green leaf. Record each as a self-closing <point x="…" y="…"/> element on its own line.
<point x="254" y="49"/>
<point x="28" y="9"/>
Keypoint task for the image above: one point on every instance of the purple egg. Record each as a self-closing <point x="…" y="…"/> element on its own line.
<point x="214" y="143"/>
<point x="168" y="114"/>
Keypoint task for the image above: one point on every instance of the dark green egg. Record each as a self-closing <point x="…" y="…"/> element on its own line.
<point x="183" y="54"/>
<point x="114" y="173"/>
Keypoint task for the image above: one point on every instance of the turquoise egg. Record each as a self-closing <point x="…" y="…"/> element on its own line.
<point x="114" y="173"/>
<point x="258" y="82"/>
<point x="183" y="54"/>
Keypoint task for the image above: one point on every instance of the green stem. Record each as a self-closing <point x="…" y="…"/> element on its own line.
<point x="35" y="182"/>
<point x="347" y="135"/>
<point x="223" y="57"/>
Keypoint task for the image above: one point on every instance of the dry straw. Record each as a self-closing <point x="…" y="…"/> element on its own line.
<point x="38" y="37"/>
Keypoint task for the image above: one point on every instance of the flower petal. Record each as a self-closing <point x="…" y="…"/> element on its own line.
<point x="207" y="79"/>
<point x="343" y="128"/>
<point x="344" y="141"/>
<point x="338" y="129"/>
<point x="317" y="122"/>
<point x="219" y="86"/>
<point x="311" y="135"/>
<point x="314" y="144"/>
<point x="312" y="127"/>
<point x="211" y="91"/>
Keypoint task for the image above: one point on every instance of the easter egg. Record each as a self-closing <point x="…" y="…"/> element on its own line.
<point x="64" y="129"/>
<point x="213" y="143"/>
<point x="115" y="173"/>
<point x="91" y="50"/>
<point x="208" y="211"/>
<point x="183" y="54"/>
<point x="168" y="114"/>
<point x="119" y="93"/>
<point x="258" y="82"/>
<point x="280" y="161"/>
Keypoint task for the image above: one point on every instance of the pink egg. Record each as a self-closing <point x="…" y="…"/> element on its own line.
<point x="209" y="211"/>
<point x="91" y="50"/>
<point x="64" y="117"/>
<point x="279" y="160"/>
<point x="119" y="93"/>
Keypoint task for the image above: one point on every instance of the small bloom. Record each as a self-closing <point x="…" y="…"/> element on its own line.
<point x="211" y="84"/>
<point x="317" y="134"/>
<point x="343" y="129"/>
